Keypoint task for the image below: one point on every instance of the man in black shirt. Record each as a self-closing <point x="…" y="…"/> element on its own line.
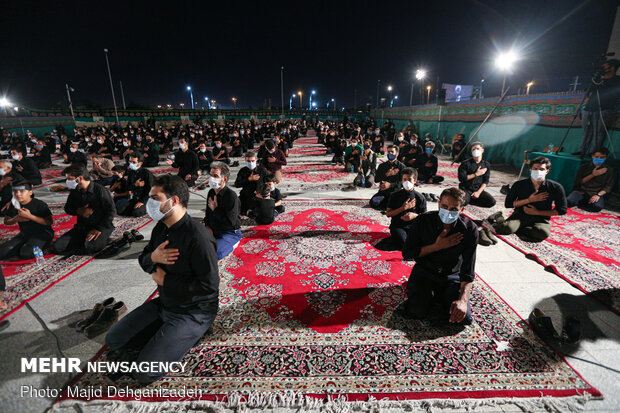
<point x="42" y="156"/>
<point x="7" y="177"/>
<point x="474" y="174"/>
<point x="187" y="162"/>
<point x="532" y="199"/>
<point x="366" y="177"/>
<point x="600" y="108"/>
<point x="220" y="153"/>
<point x="182" y="261"/>
<point x="75" y="156"/>
<point x="443" y="244"/>
<point x="205" y="157"/>
<point x="35" y="223"/>
<point x="151" y="152"/>
<point x="140" y="181"/>
<point x="95" y="210"/>
<point x="427" y="164"/>
<point x="249" y="178"/>
<point x="26" y="167"/>
<point x="222" y="213"/>
<point x="404" y="206"/>
<point x="388" y="176"/>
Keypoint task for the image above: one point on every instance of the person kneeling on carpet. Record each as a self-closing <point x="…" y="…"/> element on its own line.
<point x="404" y="206"/>
<point x="182" y="260"/>
<point x="263" y="207"/>
<point x="140" y="181"/>
<point x="533" y="199"/>
<point x="35" y="223"/>
<point x="427" y="164"/>
<point x="94" y="207"/>
<point x="593" y="181"/>
<point x="388" y="174"/>
<point x="366" y="177"/>
<point x="275" y="193"/>
<point x="474" y="174"/>
<point x="222" y="213"/>
<point x="443" y="244"/>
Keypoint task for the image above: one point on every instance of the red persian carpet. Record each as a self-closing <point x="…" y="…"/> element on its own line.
<point x="25" y="280"/>
<point x="583" y="249"/>
<point x="306" y="308"/>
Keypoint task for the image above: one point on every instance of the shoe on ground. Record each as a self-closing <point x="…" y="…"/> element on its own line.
<point x="496" y="218"/>
<point x="543" y="326"/>
<point x="4" y="324"/>
<point x="349" y="188"/>
<point x="433" y="197"/>
<point x="571" y="332"/>
<point x="483" y="239"/>
<point x="427" y="197"/>
<point x="94" y="314"/>
<point x="504" y="189"/>
<point x="106" y="319"/>
<point x="136" y="234"/>
<point x="487" y="231"/>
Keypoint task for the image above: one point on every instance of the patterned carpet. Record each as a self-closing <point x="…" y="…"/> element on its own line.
<point x="583" y="249"/>
<point x="25" y="280"/>
<point x="306" y="307"/>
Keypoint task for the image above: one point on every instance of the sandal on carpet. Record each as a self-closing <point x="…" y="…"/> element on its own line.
<point x="571" y="332"/>
<point x="543" y="326"/>
<point x="136" y="234"/>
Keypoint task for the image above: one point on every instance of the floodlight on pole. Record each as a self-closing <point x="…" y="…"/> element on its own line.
<point x="392" y="101"/>
<point x="428" y="94"/>
<point x="420" y="74"/>
<point x="301" y="101"/>
<point x="208" y="102"/>
<point x="529" y="85"/>
<point x="389" y="89"/>
<point x="111" y="85"/>
<point x="290" y="102"/>
<point x="504" y="62"/>
<point x="234" y="99"/>
<point x="310" y="101"/>
<point x="4" y="102"/>
<point x="191" y="95"/>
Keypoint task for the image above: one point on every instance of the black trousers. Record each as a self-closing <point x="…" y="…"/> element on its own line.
<point x="424" y="288"/>
<point x="22" y="246"/>
<point x="130" y="210"/>
<point x="74" y="241"/>
<point x="2" y="281"/>
<point x="380" y="199"/>
<point x="485" y="200"/>
<point x="168" y="336"/>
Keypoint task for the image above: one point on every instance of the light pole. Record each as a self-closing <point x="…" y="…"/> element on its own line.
<point x="69" y="90"/>
<point x="378" y="84"/>
<point x="310" y="102"/>
<point x="301" y="100"/>
<point x="105" y="51"/>
<point x="392" y="101"/>
<point x="428" y="94"/>
<point x="420" y="74"/>
<point x="208" y="102"/>
<point x="282" y="89"/>
<point x="123" y="95"/>
<point x="5" y="104"/>
<point x="290" y="102"/>
<point x="334" y="100"/>
<point x="191" y="95"/>
<point x="234" y="99"/>
<point x="389" y="88"/>
<point x="213" y="104"/>
<point x="504" y="62"/>
<point x="529" y="85"/>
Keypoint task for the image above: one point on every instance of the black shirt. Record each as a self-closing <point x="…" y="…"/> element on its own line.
<point x="398" y="198"/>
<point x="470" y="167"/>
<point x="187" y="162"/>
<point x="264" y="209"/>
<point x="30" y="171"/>
<point x="192" y="283"/>
<point x="222" y="152"/>
<point x="29" y="228"/>
<point x="99" y="199"/>
<point x="249" y="187"/>
<point x="225" y="217"/>
<point x="386" y="166"/>
<point x="459" y="259"/>
<point x="121" y="188"/>
<point x="140" y="193"/>
<point x="524" y="188"/>
<point x="77" y="157"/>
<point x="6" y="193"/>
<point x="205" y="159"/>
<point x="426" y="172"/>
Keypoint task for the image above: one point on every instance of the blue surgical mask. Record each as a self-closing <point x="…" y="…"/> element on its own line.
<point x="598" y="161"/>
<point x="429" y="150"/>
<point x="448" y="217"/>
<point x="391" y="156"/>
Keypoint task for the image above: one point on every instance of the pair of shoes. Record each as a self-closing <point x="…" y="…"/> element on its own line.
<point x="496" y="218"/>
<point x="236" y="163"/>
<point x="543" y="326"/>
<point x="349" y="188"/>
<point x="504" y="189"/>
<point x="483" y="238"/>
<point x="434" y="197"/>
<point x="427" y="197"/>
<point x="102" y="316"/>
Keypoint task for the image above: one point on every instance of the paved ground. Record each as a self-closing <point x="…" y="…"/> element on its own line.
<point x="522" y="283"/>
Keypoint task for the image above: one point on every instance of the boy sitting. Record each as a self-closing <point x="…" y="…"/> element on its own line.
<point x="404" y="206"/>
<point x="263" y="209"/>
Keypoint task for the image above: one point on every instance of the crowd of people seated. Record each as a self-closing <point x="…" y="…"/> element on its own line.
<point x="107" y="174"/>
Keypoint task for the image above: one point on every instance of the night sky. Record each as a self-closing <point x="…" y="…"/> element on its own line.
<point x="226" y="48"/>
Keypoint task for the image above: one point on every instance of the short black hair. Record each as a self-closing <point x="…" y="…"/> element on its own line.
<point x="410" y="171"/>
<point x="77" y="170"/>
<point x="541" y="160"/>
<point x="250" y="154"/>
<point x="137" y="155"/>
<point x="173" y="185"/>
<point x="602" y="150"/>
<point x="454" y="193"/>
<point x="270" y="144"/>
<point x="270" y="178"/>
<point x="393" y="147"/>
<point x="263" y="190"/>
<point x="224" y="169"/>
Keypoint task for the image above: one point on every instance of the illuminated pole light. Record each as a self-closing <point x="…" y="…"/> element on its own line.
<point x="389" y="89"/>
<point x="529" y="85"/>
<point x="428" y="94"/>
<point x="290" y="102"/>
<point x="504" y="62"/>
<point x="191" y="95"/>
<point x="392" y="101"/>
<point x="208" y="102"/>
<point x="4" y="102"/>
<point x="234" y="99"/>
<point x="301" y="101"/>
<point x="420" y="75"/>
<point x="310" y="100"/>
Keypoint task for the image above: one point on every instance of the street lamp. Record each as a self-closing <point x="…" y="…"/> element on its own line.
<point x="420" y="75"/>
<point x="311" y="93"/>
<point x="111" y="86"/>
<point x="529" y="85"/>
<point x="208" y="102"/>
<point x="301" y="101"/>
<point x="234" y="99"/>
<point x="392" y="101"/>
<point x="290" y="102"/>
<point x="314" y="104"/>
<point x="191" y="95"/>
<point x="213" y="104"/>
<point x="504" y="62"/>
<point x="428" y="94"/>
<point x="182" y="105"/>
<point x="389" y="89"/>
<point x="334" y="106"/>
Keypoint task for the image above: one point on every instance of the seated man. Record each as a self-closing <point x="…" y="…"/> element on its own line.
<point x="366" y="177"/>
<point x="275" y="194"/>
<point x="352" y="156"/>
<point x="186" y="161"/>
<point x="7" y="177"/>
<point x="426" y="164"/>
<point x="474" y="174"/>
<point x="593" y="181"/>
<point x="94" y="208"/>
<point x="220" y="153"/>
<point x="182" y="261"/>
<point x="151" y="152"/>
<point x="75" y="155"/>
<point x="26" y="167"/>
<point x="120" y="188"/>
<point x="102" y="170"/>
<point x="35" y="223"/>
<point x="443" y="243"/>
<point x="42" y="156"/>
<point x="249" y="178"/>
<point x="263" y="207"/>
<point x="222" y="213"/>
<point x="388" y="176"/>
<point x="205" y="158"/>
<point x="532" y="199"/>
<point x="404" y="206"/>
<point x="273" y="160"/>
<point x="140" y="181"/>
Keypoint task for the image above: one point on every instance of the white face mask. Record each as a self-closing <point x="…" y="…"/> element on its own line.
<point x="99" y="141"/>
<point x="125" y="143"/>
<point x="215" y="183"/>
<point x="15" y="203"/>
<point x="16" y="157"/>
<point x="218" y="145"/>
<point x="133" y="166"/>
<point x="203" y="150"/>
<point x="72" y="183"/>
<point x="538" y="175"/>
<point x="73" y="150"/>
<point x="408" y="186"/>
<point x="152" y="209"/>
<point x="251" y="165"/>
<point x="476" y="153"/>
<point x="2" y="172"/>
<point x="182" y="146"/>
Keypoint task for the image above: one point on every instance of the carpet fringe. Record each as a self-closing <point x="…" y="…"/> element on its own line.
<point x="261" y="401"/>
